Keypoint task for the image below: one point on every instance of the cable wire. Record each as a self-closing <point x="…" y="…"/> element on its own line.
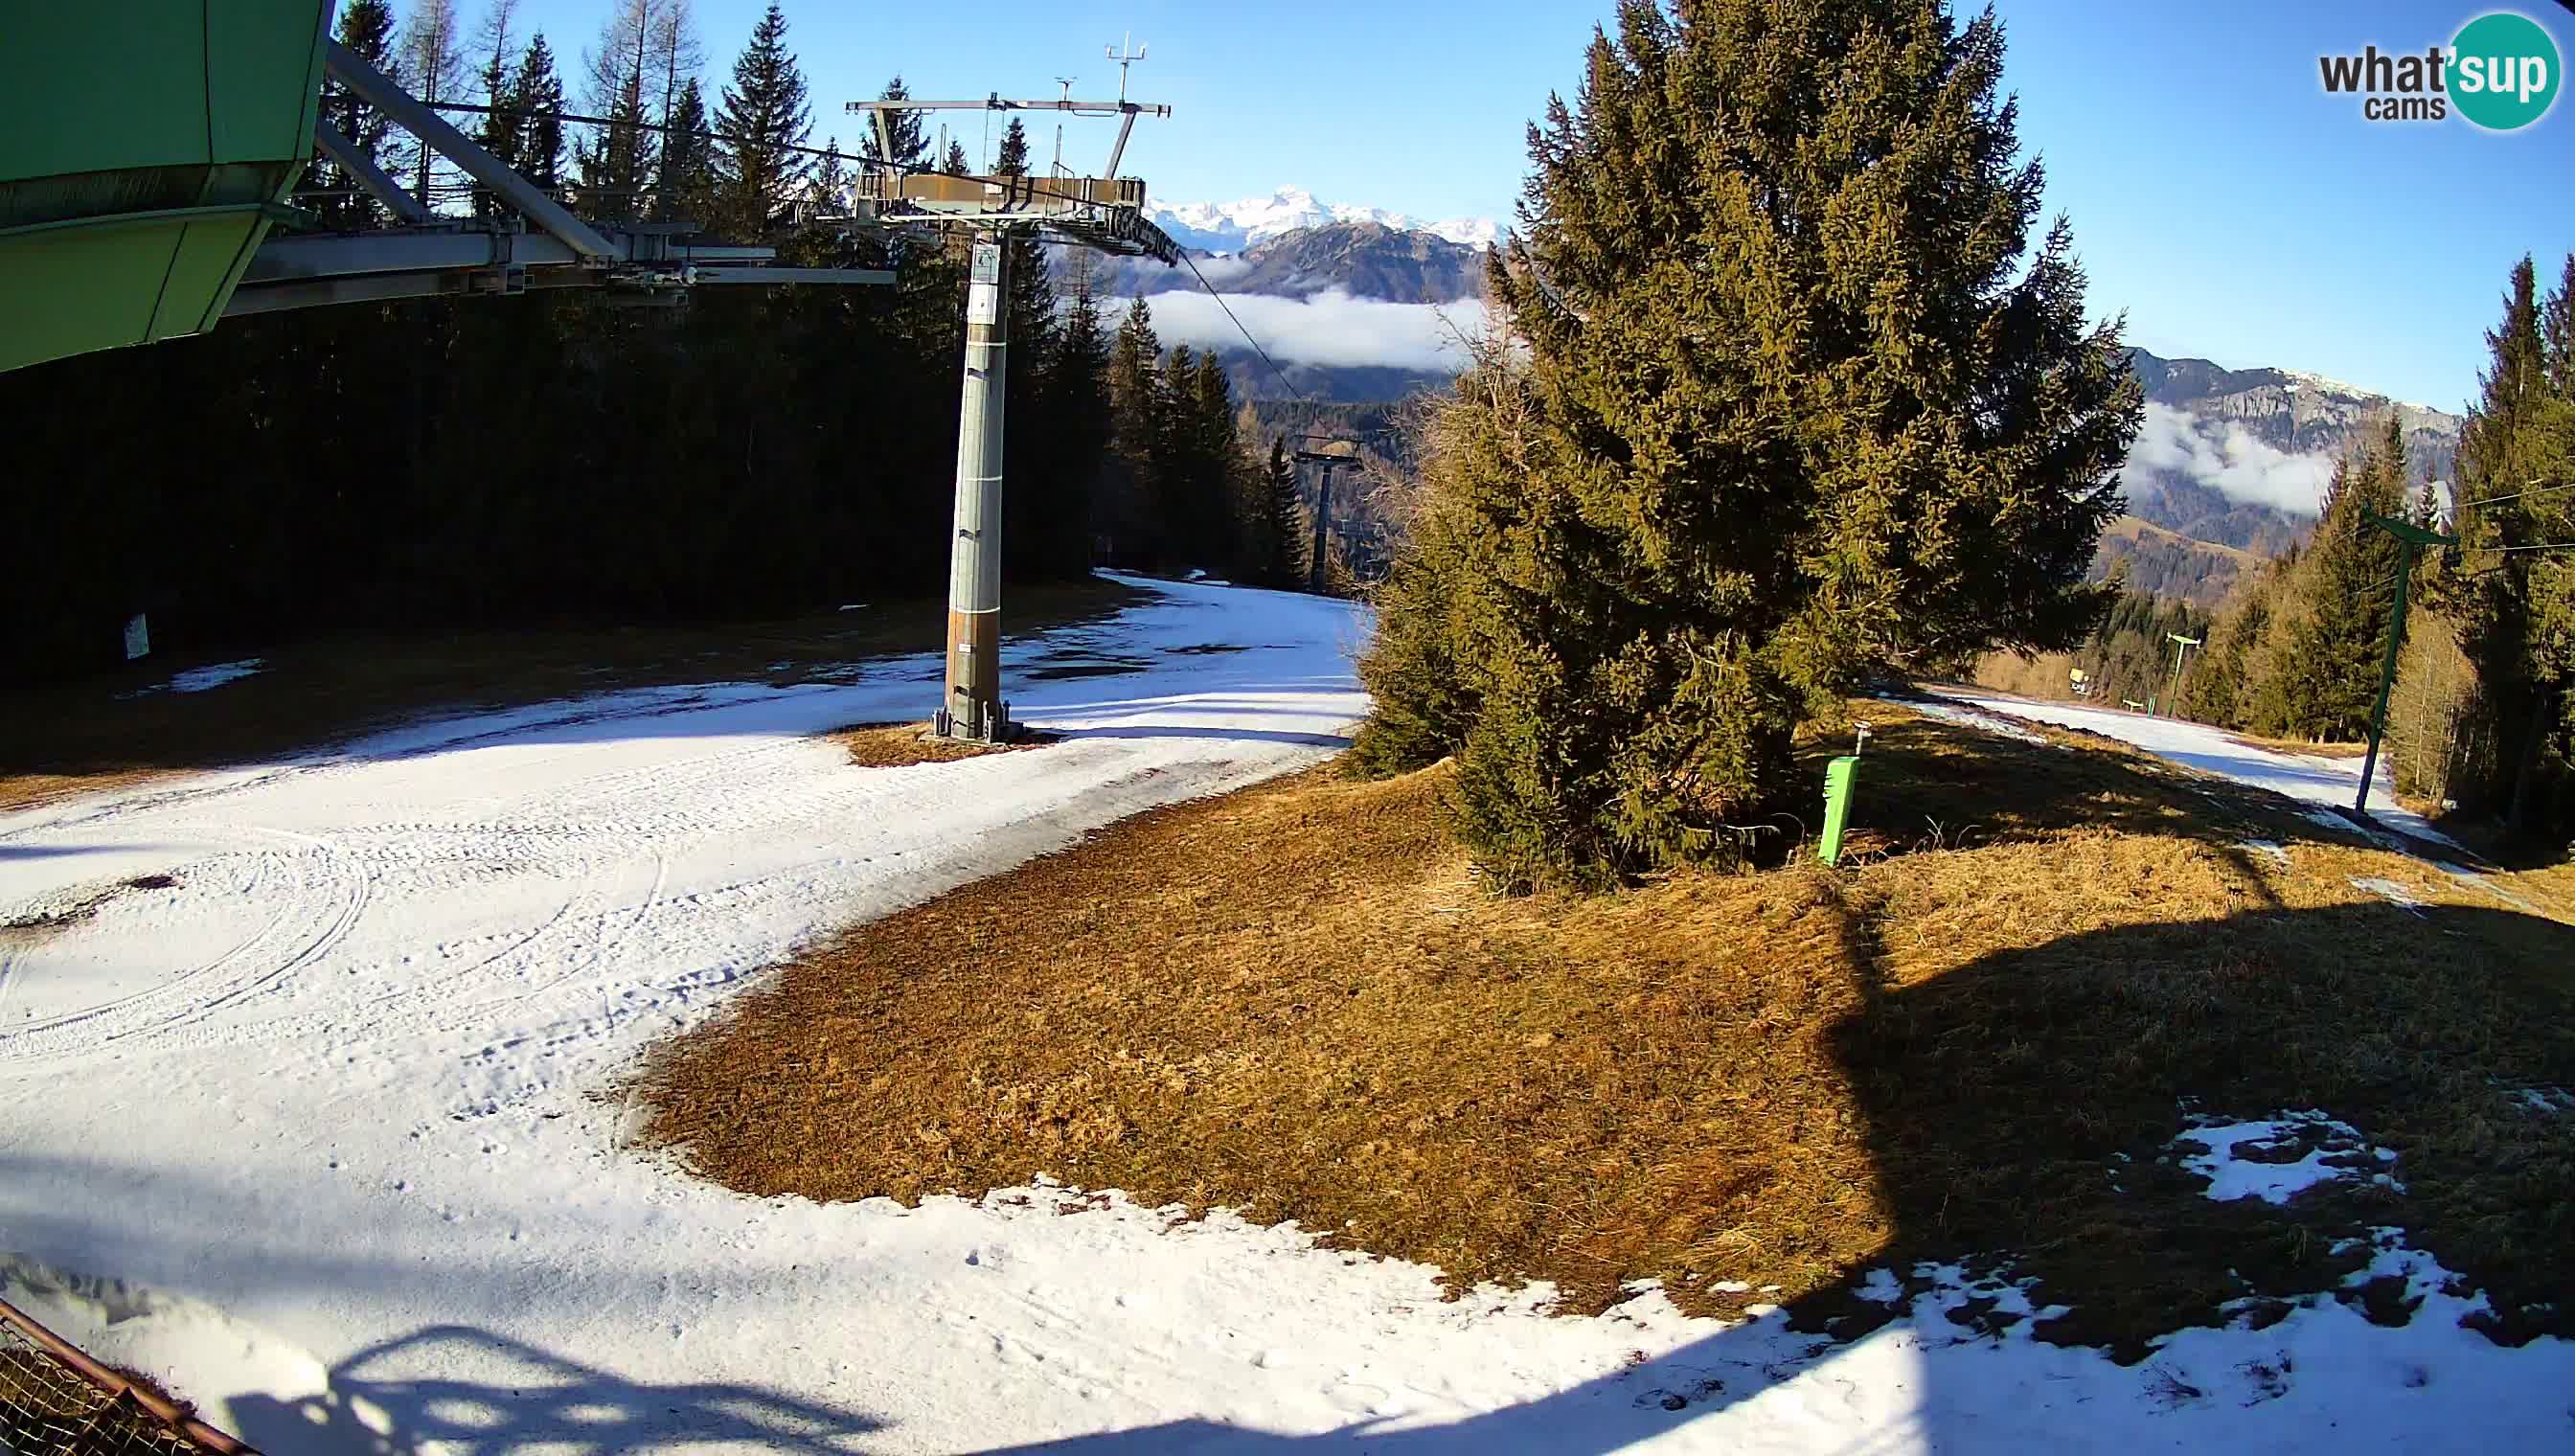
<point x="1301" y="396"/>
<point x="1029" y="181"/>
<point x="2499" y="500"/>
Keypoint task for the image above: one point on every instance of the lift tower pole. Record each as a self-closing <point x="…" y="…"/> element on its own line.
<point x="996" y="210"/>
<point x="972" y="706"/>
<point x="1319" y="573"/>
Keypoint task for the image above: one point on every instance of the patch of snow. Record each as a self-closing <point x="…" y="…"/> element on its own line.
<point x="198" y="679"/>
<point x="2318" y="780"/>
<point x="2265" y="848"/>
<point x="2328" y="1151"/>
<point x="2401" y="896"/>
<point x="1972" y="716"/>
<point x="2328" y="384"/>
<point x="316" y="1137"/>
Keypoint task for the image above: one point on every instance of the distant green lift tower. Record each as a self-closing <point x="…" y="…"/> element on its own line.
<point x="146" y="149"/>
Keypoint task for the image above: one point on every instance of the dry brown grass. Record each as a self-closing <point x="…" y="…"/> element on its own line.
<point x="64" y="739"/>
<point x="2314" y="748"/>
<point x="1296" y="1002"/>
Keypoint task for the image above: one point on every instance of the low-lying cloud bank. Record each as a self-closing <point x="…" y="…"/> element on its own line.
<point x="2230" y="459"/>
<point x="1331" y="328"/>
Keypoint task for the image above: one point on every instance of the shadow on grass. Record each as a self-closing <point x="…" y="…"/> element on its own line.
<point x="1928" y="784"/>
<point x="2021" y="1113"/>
<point x="330" y="687"/>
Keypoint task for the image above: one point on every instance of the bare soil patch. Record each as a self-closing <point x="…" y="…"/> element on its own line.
<point x="1977" y="1043"/>
<point x="902" y="744"/>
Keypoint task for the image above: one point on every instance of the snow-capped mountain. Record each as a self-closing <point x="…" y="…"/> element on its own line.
<point x="1231" y="226"/>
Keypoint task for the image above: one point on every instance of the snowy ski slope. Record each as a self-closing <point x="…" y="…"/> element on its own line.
<point x="314" y="1132"/>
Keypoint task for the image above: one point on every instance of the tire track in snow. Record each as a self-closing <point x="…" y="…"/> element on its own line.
<point x="313" y="925"/>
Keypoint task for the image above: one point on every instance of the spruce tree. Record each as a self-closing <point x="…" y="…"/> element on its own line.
<point x="955" y="163"/>
<point x="911" y="137"/>
<point x="763" y="119"/>
<point x="1220" y="462"/>
<point x="1277" y="525"/>
<point x="1802" y="401"/>
<point x="540" y="146"/>
<point x="2222" y="691"/>
<point x="1013" y="158"/>
<point x="1077" y="395"/>
<point x="2513" y="598"/>
<point x="366" y="28"/>
<point x="686" y="186"/>
<point x="832" y="179"/>
<point x="1131" y="487"/>
<point x="1180" y="465"/>
<point x="2343" y="597"/>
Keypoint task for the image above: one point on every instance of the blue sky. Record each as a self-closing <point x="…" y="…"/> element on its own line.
<point x="2219" y="198"/>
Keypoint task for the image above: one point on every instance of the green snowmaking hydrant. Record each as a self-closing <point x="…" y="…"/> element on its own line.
<point x="1838" y="778"/>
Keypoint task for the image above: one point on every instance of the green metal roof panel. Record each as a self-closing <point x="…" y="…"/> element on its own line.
<point x="263" y="79"/>
<point x="143" y="147"/>
<point x="153" y="83"/>
<point x="103" y="282"/>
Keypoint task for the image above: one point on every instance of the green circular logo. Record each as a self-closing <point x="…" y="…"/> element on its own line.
<point x="2504" y="70"/>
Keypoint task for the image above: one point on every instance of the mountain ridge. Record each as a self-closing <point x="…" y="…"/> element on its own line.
<point x="2235" y="460"/>
<point x="1232" y="227"/>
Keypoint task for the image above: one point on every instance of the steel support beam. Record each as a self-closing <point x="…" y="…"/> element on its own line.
<point x="379" y="91"/>
<point x="995" y="103"/>
<point x="793" y="275"/>
<point x="1125" y="124"/>
<point x="345" y="153"/>
<point x="376" y="288"/>
<point x="339" y="255"/>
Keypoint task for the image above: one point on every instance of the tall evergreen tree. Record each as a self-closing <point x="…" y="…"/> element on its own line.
<point x="1275" y="528"/>
<point x="1078" y="407"/>
<point x="955" y="163"/>
<point x="686" y="186"/>
<point x="763" y="119"/>
<point x="831" y="185"/>
<point x="1802" y="400"/>
<point x="1011" y="160"/>
<point x="2343" y="597"/>
<point x="2223" y="690"/>
<point x="539" y="149"/>
<point x="1132" y="488"/>
<point x="366" y="28"/>
<point x="2513" y="601"/>
<point x="1225" y="467"/>
<point x="910" y="135"/>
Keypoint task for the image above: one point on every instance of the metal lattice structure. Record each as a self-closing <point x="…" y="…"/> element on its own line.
<point x="56" y="1401"/>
